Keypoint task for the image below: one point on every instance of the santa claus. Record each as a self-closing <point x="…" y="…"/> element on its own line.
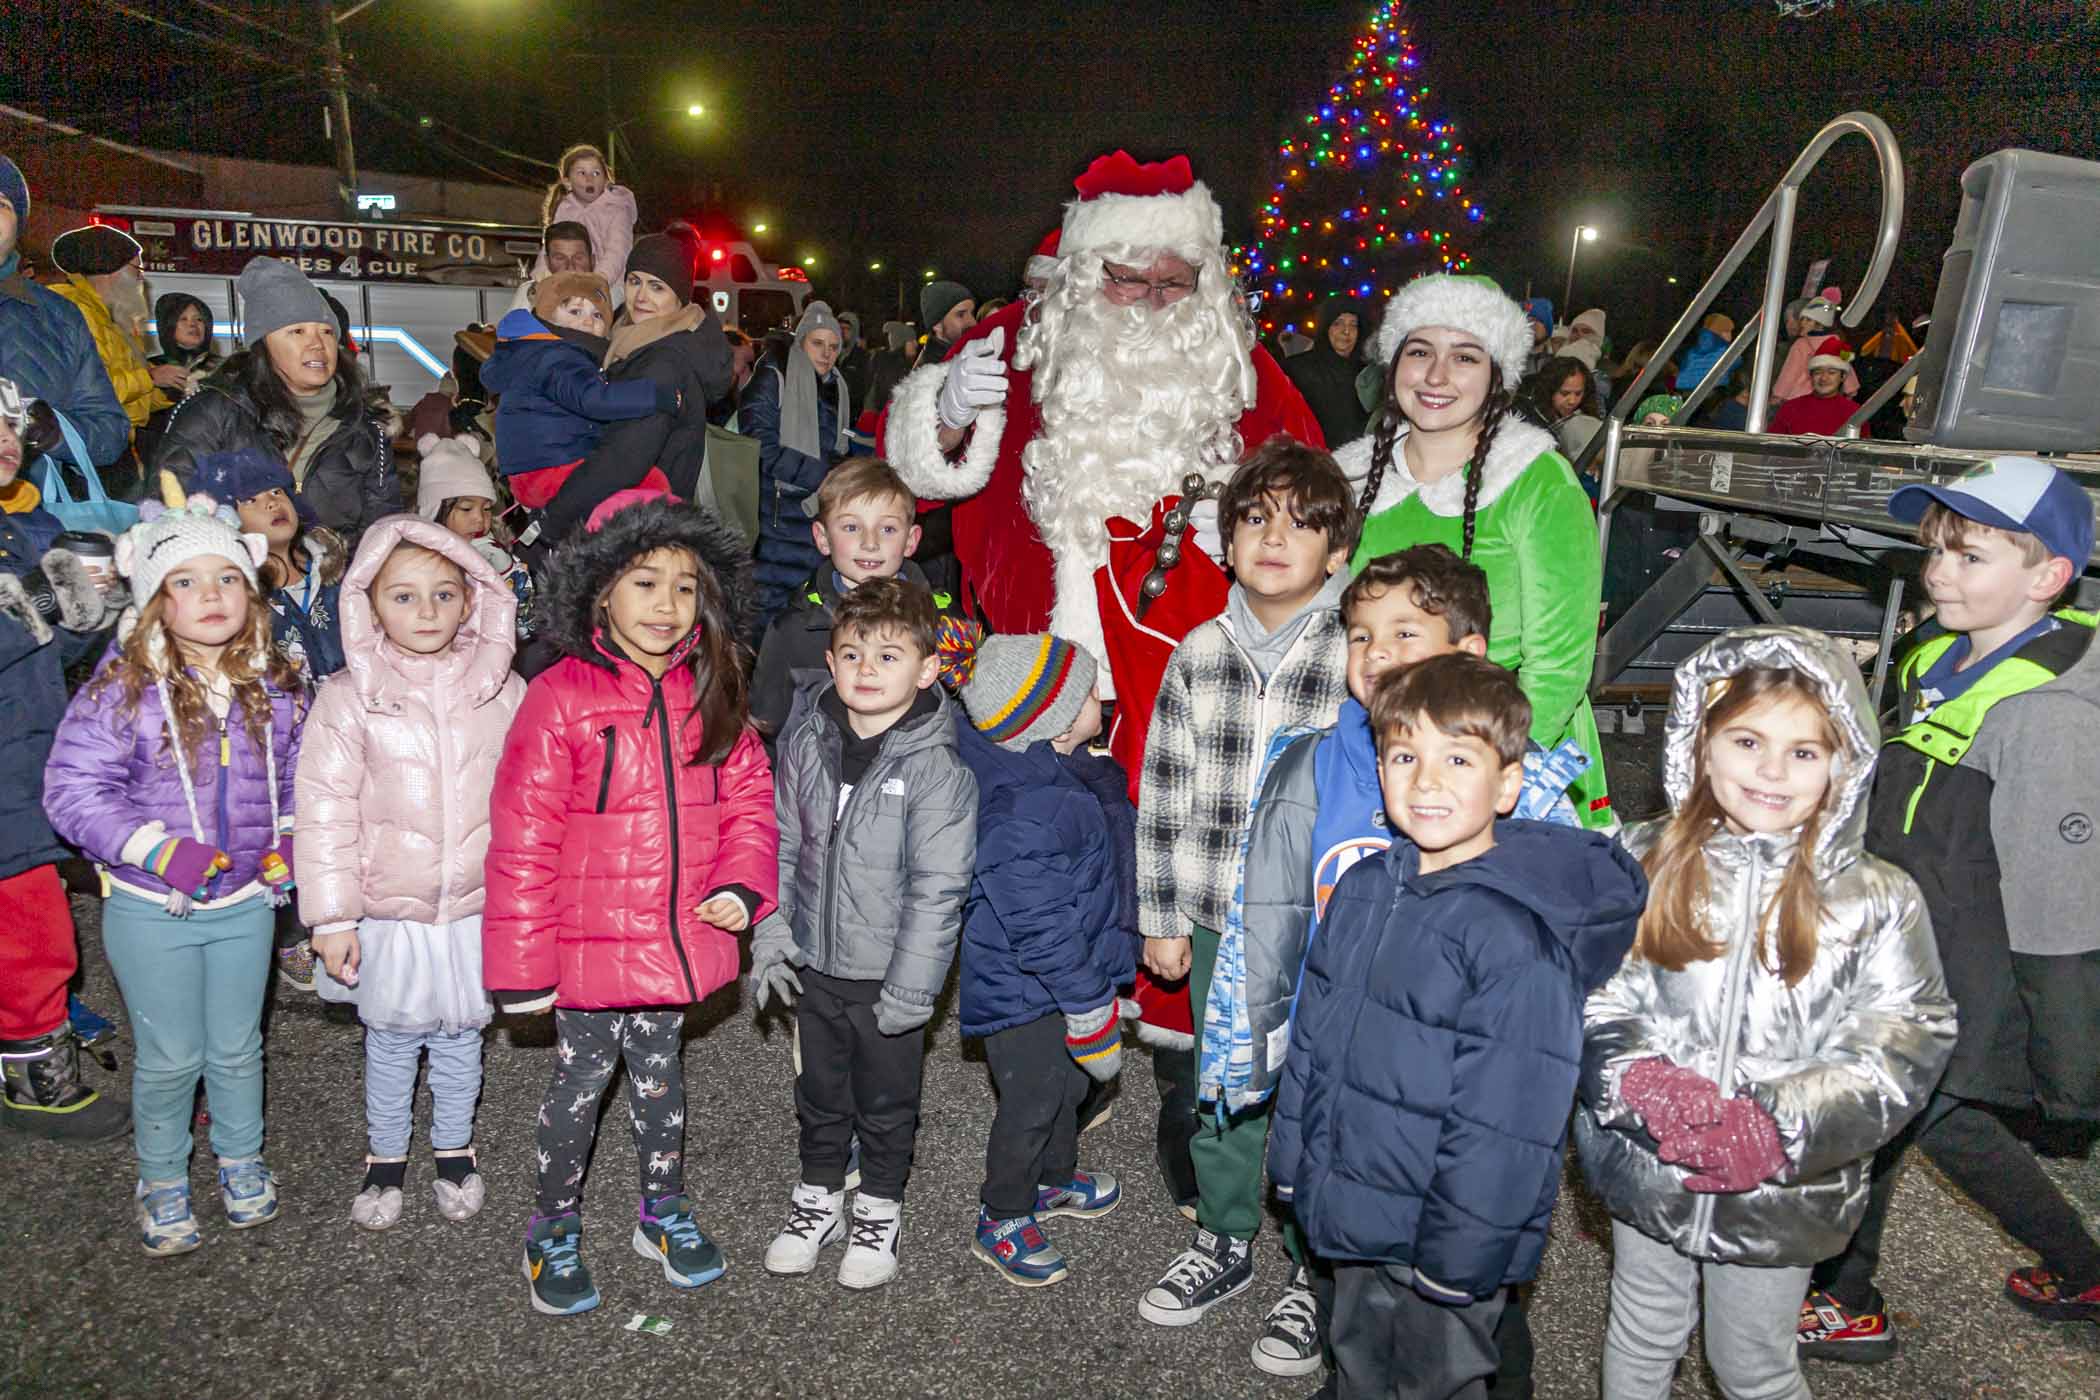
<point x="1056" y="419"/>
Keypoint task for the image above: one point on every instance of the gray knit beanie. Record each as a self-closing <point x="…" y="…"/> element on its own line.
<point x="937" y="299"/>
<point x="274" y="294"/>
<point x="817" y="317"/>
<point x="1018" y="690"/>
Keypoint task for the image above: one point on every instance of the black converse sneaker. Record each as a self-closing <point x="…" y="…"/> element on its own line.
<point x="1289" y="1344"/>
<point x="1212" y="1269"/>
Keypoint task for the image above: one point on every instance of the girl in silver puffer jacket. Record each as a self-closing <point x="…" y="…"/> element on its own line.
<point x="1781" y="1016"/>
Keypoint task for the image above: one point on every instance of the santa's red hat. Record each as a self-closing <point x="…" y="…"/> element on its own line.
<point x="1153" y="206"/>
<point x="1042" y="263"/>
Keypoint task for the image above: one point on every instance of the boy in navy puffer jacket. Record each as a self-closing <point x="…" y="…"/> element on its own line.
<point x="1424" y="1109"/>
<point x="1049" y="933"/>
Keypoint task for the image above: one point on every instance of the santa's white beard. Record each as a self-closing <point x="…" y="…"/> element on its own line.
<point x="1132" y="399"/>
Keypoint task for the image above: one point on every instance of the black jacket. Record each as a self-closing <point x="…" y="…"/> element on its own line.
<point x="350" y="482"/>
<point x="1327" y="380"/>
<point x="690" y="358"/>
<point x="797" y="639"/>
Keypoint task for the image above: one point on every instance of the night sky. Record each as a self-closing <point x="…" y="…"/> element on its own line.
<point x="942" y="134"/>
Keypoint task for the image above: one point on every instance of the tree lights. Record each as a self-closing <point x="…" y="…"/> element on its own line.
<point x="1367" y="194"/>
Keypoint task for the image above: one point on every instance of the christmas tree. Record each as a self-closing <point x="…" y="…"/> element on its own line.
<point x="1367" y="194"/>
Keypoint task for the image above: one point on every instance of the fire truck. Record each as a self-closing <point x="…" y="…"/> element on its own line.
<point x="408" y="286"/>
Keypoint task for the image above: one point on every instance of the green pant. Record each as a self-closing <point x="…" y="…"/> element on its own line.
<point x="1229" y="1156"/>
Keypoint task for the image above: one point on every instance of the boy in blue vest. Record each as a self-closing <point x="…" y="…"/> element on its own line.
<point x="1987" y="797"/>
<point x="1321" y="812"/>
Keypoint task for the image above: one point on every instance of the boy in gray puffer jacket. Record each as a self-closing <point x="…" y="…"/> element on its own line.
<point x="878" y="839"/>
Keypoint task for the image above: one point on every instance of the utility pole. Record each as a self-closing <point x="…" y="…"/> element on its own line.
<point x="339" y="109"/>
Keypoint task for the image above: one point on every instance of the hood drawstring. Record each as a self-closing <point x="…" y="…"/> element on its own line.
<point x="179" y="904"/>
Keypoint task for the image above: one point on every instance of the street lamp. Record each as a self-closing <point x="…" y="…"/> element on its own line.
<point x="1583" y="234"/>
<point x="931" y="274"/>
<point x="695" y="109"/>
<point x="875" y="267"/>
<point x="758" y="228"/>
<point x="810" y="260"/>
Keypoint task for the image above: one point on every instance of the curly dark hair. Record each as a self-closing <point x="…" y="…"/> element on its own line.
<point x="1535" y="394"/>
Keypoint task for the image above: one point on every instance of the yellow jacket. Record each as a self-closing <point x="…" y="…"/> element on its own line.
<point x="122" y="355"/>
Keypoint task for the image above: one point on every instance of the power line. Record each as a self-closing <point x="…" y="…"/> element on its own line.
<point x="239" y="18"/>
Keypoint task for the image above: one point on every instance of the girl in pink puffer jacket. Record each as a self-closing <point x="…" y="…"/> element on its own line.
<point x="393" y="795"/>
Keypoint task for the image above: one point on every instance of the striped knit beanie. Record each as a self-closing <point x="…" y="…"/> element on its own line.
<point x="1018" y="690"/>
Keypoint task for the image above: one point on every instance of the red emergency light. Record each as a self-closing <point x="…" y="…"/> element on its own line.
<point x="115" y="221"/>
<point x="792" y="273"/>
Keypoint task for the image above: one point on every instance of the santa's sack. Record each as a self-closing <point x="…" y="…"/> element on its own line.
<point x="95" y="513"/>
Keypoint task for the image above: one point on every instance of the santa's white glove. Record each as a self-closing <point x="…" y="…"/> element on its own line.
<point x="976" y="381"/>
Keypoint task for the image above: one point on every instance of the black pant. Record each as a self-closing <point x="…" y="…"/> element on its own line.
<point x="588" y="1044"/>
<point x="1514" y="1351"/>
<point x="1973" y="1145"/>
<point x="1174" y="1075"/>
<point x="855" y="1079"/>
<point x="1388" y="1340"/>
<point x="1035" y="1133"/>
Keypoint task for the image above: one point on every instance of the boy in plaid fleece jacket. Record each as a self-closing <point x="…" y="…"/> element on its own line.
<point x="1275" y="658"/>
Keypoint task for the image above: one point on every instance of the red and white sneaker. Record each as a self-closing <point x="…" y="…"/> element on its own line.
<point x="1830" y="1331"/>
<point x="2049" y="1296"/>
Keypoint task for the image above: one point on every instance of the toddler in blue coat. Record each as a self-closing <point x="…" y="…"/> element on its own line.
<point x="1049" y="931"/>
<point x="1419" y="1130"/>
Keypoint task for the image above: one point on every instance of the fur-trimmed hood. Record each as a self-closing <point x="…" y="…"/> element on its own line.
<point x="589" y="562"/>
<point x="1517" y="445"/>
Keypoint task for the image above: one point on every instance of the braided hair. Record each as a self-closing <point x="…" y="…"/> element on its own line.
<point x="1494" y="411"/>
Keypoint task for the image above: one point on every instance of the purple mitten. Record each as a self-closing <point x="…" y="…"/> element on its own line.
<point x="1733" y="1155"/>
<point x="186" y="865"/>
<point x="1669" y="1097"/>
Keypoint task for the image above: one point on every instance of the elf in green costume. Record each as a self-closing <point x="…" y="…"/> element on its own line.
<point x="1449" y="461"/>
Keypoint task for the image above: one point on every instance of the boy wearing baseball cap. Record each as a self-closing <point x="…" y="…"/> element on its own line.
<point x="1987" y="797"/>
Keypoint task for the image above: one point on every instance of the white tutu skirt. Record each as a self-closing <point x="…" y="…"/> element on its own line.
<point x="415" y="978"/>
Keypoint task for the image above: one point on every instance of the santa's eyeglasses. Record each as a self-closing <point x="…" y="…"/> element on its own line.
<point x="1124" y="289"/>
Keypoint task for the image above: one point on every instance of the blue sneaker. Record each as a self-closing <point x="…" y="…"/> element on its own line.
<point x="1089" y="1196"/>
<point x="1018" y="1249"/>
<point x="561" y="1285"/>
<point x="248" y="1191"/>
<point x="668" y="1234"/>
<point x="166" y="1223"/>
<point x="91" y="1027"/>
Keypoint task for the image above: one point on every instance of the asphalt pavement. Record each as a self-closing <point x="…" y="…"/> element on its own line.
<point x="313" y="1306"/>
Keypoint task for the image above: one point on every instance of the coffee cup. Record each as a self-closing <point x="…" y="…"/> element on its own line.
<point x="96" y="552"/>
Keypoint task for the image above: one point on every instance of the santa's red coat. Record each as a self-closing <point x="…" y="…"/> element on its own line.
<point x="1009" y="573"/>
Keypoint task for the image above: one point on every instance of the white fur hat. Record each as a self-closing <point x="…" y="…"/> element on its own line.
<point x="1826" y="360"/>
<point x="451" y="467"/>
<point x="1158" y="206"/>
<point x="1463" y="303"/>
<point x="165" y="539"/>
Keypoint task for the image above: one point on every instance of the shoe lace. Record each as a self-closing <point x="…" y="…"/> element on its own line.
<point x="562" y="1254"/>
<point x="1191" y="1269"/>
<point x="682" y="1229"/>
<point x="1293" y="1315"/>
<point x="870" y="1232"/>
<point x="803" y="1220"/>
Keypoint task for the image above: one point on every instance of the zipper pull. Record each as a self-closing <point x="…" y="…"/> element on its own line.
<point x="225" y="747"/>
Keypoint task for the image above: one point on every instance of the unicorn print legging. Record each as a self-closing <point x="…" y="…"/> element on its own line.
<point x="588" y="1044"/>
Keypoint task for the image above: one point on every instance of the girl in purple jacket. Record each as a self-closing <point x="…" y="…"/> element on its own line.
<point x="173" y="770"/>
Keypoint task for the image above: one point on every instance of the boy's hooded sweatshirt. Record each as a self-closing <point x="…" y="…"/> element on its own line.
<point x="553" y="397"/>
<point x="1435" y="1053"/>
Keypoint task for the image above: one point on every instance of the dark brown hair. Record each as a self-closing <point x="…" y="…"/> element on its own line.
<point x="880" y="605"/>
<point x="1306" y="479"/>
<point x="1950" y="529"/>
<point x="1460" y="695"/>
<point x="1672" y="932"/>
<point x="716" y="658"/>
<point x="1495" y="410"/>
<point x="1440" y="583"/>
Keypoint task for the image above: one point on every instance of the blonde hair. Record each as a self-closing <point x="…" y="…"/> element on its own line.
<point x="1672" y="931"/>
<point x="862" y="479"/>
<point x="251" y="662"/>
<point x="560" y="186"/>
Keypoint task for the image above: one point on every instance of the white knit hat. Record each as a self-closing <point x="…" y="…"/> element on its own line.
<point x="451" y="467"/>
<point x="1463" y="303"/>
<point x="165" y="539"/>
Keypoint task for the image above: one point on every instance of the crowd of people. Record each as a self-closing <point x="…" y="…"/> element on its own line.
<point x="1154" y="691"/>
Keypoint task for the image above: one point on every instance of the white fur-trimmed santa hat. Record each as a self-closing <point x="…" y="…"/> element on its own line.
<point x="1465" y="303"/>
<point x="1154" y="205"/>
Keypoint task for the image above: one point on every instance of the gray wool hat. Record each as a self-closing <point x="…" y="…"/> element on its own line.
<point x="937" y="299"/>
<point x="1020" y="690"/>
<point x="817" y="317"/>
<point x="273" y="295"/>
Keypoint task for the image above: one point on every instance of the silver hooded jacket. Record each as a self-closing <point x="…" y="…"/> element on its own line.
<point x="1841" y="1061"/>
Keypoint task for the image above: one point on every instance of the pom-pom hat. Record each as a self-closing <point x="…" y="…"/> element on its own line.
<point x="1156" y="206"/>
<point x="1017" y="690"/>
<point x="1465" y="303"/>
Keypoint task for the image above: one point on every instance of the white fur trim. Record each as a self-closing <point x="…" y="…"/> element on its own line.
<point x="1177" y="223"/>
<point x="913" y="443"/>
<point x="1463" y="303"/>
<point x="1517" y="445"/>
<point x="1075" y="614"/>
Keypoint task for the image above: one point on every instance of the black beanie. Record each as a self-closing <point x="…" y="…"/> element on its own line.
<point x="93" y="250"/>
<point x="668" y="259"/>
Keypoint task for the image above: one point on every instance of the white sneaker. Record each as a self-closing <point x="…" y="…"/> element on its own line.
<point x="816" y="1218"/>
<point x="871" y="1253"/>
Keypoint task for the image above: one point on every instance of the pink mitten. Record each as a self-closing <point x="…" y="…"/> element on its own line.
<point x="1669" y="1097"/>
<point x="1732" y="1156"/>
